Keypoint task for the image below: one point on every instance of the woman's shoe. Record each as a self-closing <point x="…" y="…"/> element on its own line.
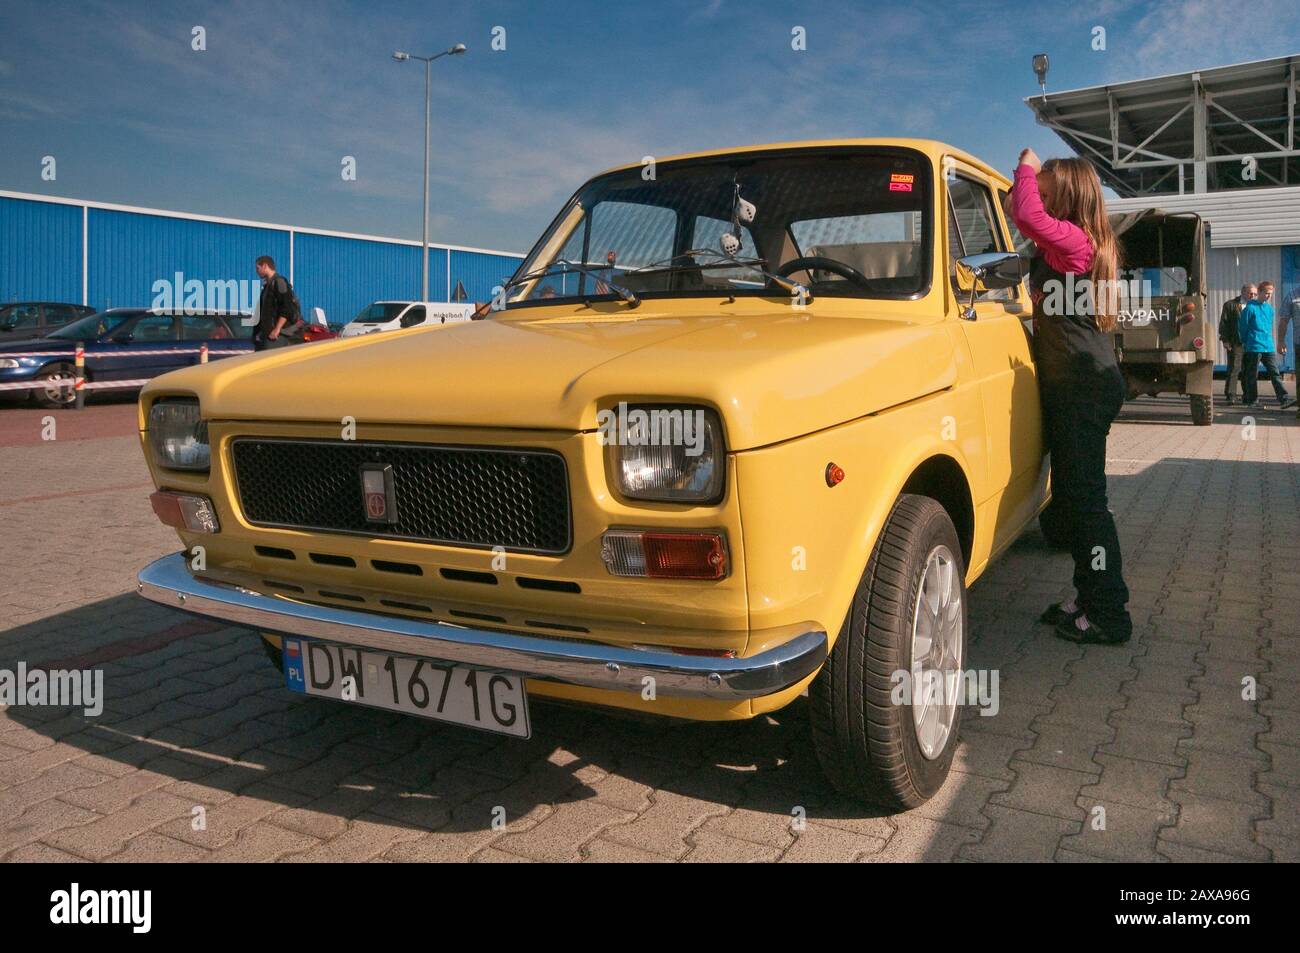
<point x="1091" y="634"/>
<point x="1056" y="613"/>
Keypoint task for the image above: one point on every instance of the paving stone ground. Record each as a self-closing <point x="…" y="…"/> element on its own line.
<point x="1154" y="738"/>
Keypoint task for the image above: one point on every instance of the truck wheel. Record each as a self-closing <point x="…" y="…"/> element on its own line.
<point x="54" y="386"/>
<point x="1054" y="526"/>
<point x="908" y="616"/>
<point x="1202" y="409"/>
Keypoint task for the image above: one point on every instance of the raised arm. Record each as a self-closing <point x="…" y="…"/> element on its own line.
<point x="1063" y="244"/>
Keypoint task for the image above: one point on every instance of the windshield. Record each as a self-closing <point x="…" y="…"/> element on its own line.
<point x="841" y="222"/>
<point x="93" y="326"/>
<point x="379" y="312"/>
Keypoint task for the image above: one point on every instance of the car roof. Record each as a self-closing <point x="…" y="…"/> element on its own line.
<point x="932" y="148"/>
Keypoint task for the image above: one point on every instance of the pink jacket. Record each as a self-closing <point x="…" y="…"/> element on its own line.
<point x="1063" y="245"/>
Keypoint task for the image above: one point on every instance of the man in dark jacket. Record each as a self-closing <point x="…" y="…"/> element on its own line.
<point x="1230" y="338"/>
<point x="274" y="309"/>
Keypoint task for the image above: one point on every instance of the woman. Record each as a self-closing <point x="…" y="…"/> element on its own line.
<point x="1059" y="205"/>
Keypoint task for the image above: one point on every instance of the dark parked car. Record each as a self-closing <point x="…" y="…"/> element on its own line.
<point x="122" y="344"/>
<point x="24" y="320"/>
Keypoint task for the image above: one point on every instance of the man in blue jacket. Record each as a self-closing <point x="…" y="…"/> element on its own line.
<point x="1256" y="327"/>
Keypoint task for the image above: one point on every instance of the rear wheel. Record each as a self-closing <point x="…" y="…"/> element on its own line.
<point x="906" y="627"/>
<point x="1202" y="409"/>
<point x="55" y="386"/>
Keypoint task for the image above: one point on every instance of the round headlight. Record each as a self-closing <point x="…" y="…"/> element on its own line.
<point x="671" y="454"/>
<point x="178" y="437"/>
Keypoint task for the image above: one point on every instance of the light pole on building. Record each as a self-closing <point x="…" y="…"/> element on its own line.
<point x="455" y="50"/>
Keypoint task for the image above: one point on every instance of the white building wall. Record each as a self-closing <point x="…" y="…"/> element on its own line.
<point x="1238" y="218"/>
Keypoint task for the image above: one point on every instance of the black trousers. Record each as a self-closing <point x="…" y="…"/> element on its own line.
<point x="1077" y="418"/>
<point x="1230" y="380"/>
<point x="1250" y="376"/>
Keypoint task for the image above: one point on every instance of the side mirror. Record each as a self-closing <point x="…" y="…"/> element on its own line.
<point x="988" y="272"/>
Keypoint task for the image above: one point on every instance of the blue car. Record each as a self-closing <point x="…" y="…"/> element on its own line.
<point x="122" y="344"/>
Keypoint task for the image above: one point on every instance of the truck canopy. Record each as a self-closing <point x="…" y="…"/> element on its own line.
<point x="1171" y="242"/>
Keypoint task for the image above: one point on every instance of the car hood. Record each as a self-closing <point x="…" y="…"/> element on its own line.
<point x="773" y="373"/>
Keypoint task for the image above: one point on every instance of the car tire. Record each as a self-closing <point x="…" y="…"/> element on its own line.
<point x="870" y="747"/>
<point x="46" y="394"/>
<point x="1055" y="527"/>
<point x="1202" y="409"/>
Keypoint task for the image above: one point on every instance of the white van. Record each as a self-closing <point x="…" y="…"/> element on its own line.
<point x="391" y="315"/>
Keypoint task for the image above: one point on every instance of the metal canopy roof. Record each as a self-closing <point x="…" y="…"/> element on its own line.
<point x="1200" y="131"/>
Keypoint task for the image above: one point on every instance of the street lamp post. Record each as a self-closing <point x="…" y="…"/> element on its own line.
<point x="455" y="50"/>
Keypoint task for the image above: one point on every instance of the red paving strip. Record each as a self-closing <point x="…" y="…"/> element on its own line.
<point x="23" y="426"/>
<point x="139" y="645"/>
<point x="68" y="493"/>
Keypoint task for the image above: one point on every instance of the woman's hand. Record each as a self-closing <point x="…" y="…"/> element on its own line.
<point x="1029" y="158"/>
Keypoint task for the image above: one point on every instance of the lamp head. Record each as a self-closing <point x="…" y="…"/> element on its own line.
<point x="399" y="56"/>
<point x="1040" y="69"/>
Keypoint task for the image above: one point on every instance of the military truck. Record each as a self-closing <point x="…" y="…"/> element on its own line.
<point x="1164" y="339"/>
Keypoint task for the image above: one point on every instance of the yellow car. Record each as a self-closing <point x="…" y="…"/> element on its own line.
<point x="745" y="424"/>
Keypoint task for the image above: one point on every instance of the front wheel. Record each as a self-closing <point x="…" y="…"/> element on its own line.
<point x="886" y="706"/>
<point x="1202" y="409"/>
<point x="56" y="387"/>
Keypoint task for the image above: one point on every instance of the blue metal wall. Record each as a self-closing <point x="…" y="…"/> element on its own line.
<point x="343" y="275"/>
<point x="480" y="272"/>
<point x="129" y="252"/>
<point x="40" y="251"/>
<point x="1282" y="299"/>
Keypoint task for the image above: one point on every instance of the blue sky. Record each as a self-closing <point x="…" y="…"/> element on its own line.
<point x="256" y="126"/>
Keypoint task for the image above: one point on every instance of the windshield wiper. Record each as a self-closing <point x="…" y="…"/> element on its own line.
<point x="562" y="264"/>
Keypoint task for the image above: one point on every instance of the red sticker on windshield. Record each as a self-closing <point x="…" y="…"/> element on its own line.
<point x="900" y="186"/>
<point x="899" y="177"/>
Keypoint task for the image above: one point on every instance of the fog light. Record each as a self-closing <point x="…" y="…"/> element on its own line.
<point x="664" y="555"/>
<point x="185" y="511"/>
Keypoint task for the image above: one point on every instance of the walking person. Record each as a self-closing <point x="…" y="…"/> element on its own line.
<point x="1289" y="311"/>
<point x="279" y="321"/>
<point x="1256" y="329"/>
<point x="1230" y="338"/>
<point x="1059" y="205"/>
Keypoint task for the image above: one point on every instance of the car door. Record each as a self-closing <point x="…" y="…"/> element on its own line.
<point x="219" y="332"/>
<point x="138" y="349"/>
<point x="999" y="343"/>
<point x="414" y="315"/>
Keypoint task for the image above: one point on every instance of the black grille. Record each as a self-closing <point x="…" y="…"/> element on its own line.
<point x="464" y="496"/>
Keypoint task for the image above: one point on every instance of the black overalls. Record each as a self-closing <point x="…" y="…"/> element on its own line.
<point x="1082" y="390"/>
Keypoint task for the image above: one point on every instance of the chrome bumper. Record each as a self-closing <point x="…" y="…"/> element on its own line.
<point x="170" y="582"/>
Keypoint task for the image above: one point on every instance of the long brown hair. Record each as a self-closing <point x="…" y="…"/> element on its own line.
<point x="1076" y="197"/>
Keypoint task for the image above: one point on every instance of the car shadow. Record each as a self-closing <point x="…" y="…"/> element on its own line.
<point x="197" y="703"/>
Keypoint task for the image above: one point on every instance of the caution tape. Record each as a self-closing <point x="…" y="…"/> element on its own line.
<point x="68" y="383"/>
<point x="211" y="353"/>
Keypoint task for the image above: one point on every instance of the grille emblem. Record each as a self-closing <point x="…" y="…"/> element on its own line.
<point x="377" y="493"/>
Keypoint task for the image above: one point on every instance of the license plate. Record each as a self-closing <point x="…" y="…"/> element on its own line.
<point x="438" y="690"/>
